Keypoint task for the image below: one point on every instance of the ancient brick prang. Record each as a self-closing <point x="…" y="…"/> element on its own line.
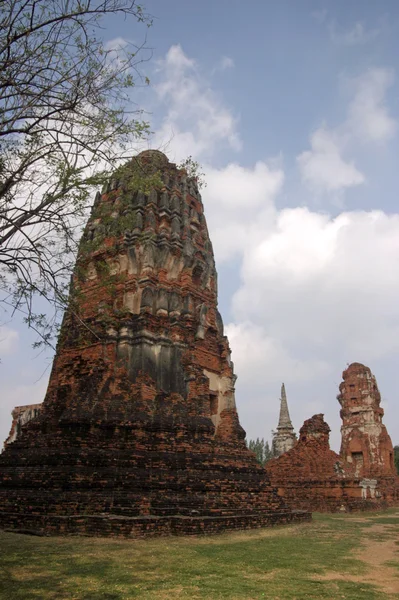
<point x="139" y="432"/>
<point x="365" y="440"/>
<point x="313" y="477"/>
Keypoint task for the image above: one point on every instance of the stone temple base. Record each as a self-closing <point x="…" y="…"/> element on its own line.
<point x="144" y="526"/>
<point x="134" y="483"/>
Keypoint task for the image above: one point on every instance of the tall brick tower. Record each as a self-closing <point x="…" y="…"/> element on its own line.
<point x="284" y="438"/>
<point x="365" y="440"/>
<point x="139" y="432"/>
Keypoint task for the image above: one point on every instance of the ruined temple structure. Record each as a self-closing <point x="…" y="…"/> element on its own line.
<point x="313" y="477"/>
<point x="284" y="438"/>
<point x="139" y="433"/>
<point x="365" y="440"/>
<point x="310" y="476"/>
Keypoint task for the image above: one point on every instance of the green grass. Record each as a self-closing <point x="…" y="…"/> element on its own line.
<point x="312" y="561"/>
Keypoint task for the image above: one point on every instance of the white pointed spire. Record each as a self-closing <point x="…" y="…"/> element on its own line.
<point x="284" y="437"/>
<point x="284" y="420"/>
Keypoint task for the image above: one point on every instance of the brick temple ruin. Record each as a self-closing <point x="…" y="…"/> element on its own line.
<point x="138" y="433"/>
<point x="363" y="476"/>
<point x="365" y="440"/>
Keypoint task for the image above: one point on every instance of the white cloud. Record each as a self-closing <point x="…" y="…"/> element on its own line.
<point x="368" y="115"/>
<point x="356" y="35"/>
<point x="240" y="188"/>
<point x="237" y="197"/>
<point x="9" y="339"/>
<point x="196" y="120"/>
<point x="323" y="167"/>
<point x="116" y="50"/>
<point x="264" y="360"/>
<point x="330" y="283"/>
<point x="115" y="44"/>
<point x="226" y="62"/>
<point x="319" y="15"/>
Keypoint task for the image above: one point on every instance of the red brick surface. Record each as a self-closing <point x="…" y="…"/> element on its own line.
<point x="310" y="475"/>
<point x="365" y="440"/>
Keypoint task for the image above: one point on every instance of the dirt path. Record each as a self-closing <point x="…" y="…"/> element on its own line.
<point x="375" y="553"/>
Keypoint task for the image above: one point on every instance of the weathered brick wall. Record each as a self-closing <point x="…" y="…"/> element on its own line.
<point x="139" y="432"/>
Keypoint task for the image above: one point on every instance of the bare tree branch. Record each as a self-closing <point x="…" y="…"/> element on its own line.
<point x="66" y="122"/>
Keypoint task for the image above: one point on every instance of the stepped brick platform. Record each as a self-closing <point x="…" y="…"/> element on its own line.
<point x="139" y="433"/>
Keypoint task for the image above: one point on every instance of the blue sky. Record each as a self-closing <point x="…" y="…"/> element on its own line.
<point x="292" y="108"/>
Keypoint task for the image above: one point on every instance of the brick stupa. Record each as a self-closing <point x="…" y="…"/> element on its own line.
<point x="139" y="432"/>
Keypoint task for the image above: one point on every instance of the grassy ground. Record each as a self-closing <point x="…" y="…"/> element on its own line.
<point x="355" y="557"/>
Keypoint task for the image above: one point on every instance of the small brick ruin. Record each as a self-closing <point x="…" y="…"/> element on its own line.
<point x="363" y="477"/>
<point x="310" y="474"/>
<point x="139" y="433"/>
